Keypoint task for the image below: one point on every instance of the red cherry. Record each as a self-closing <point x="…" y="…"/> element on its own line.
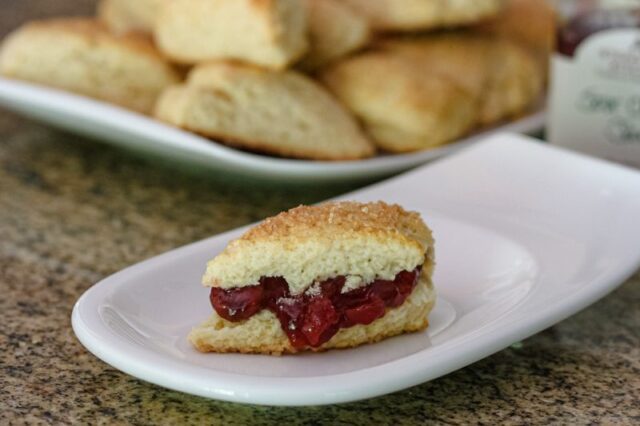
<point x="320" y="317"/>
<point x="275" y="288"/>
<point x="238" y="303"/>
<point x="292" y="325"/>
<point x="385" y="290"/>
<point x="332" y="287"/>
<point x="290" y="313"/>
<point x="353" y="298"/>
<point x="366" y="313"/>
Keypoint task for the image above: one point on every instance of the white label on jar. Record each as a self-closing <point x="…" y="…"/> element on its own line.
<point x="594" y="106"/>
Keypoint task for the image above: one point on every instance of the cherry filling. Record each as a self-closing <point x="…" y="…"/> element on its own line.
<point x="313" y="318"/>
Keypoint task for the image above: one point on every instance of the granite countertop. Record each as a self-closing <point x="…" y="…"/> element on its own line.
<point x="73" y="211"/>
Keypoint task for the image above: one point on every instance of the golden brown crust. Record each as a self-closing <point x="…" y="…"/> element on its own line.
<point x="366" y="218"/>
<point x="361" y="241"/>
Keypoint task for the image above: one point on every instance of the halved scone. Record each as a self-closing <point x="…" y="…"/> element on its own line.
<point x="282" y="113"/>
<point x="314" y="278"/>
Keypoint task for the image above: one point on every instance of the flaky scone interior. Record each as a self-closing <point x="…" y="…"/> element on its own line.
<point x="331" y="276"/>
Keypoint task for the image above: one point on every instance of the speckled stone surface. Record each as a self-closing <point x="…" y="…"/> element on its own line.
<point x="73" y="211"/>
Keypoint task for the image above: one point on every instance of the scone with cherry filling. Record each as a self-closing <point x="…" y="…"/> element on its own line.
<point x="336" y="275"/>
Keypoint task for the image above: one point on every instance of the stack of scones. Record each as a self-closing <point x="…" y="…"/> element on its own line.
<point x="309" y="79"/>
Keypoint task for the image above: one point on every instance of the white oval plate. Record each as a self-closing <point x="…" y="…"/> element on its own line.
<point x="526" y="235"/>
<point x="128" y="129"/>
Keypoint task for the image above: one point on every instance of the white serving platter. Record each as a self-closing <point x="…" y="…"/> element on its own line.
<point x="526" y="235"/>
<point x="121" y="127"/>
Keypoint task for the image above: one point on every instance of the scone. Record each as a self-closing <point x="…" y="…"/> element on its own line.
<point x="334" y="31"/>
<point x="443" y="86"/>
<point x="531" y="23"/>
<point x="411" y="15"/>
<point x="81" y="56"/>
<point x="314" y="278"/>
<point x="123" y="16"/>
<point x="460" y="57"/>
<point x="500" y="73"/>
<point x="282" y="113"/>
<point x="270" y="33"/>
<point x="404" y="105"/>
<point x="515" y="83"/>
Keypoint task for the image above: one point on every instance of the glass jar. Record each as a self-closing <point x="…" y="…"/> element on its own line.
<point x="594" y="101"/>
